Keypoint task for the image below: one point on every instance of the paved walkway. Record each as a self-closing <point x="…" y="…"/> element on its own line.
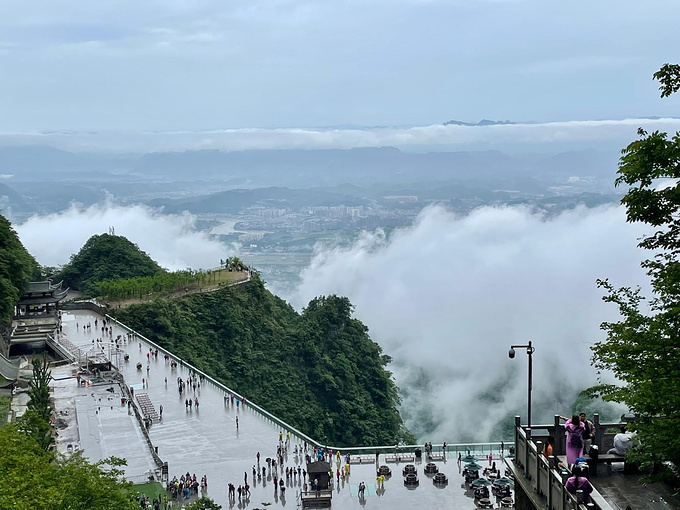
<point x="206" y="441"/>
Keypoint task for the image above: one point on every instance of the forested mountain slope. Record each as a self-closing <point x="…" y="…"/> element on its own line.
<point x="318" y="370"/>
<point x="106" y="257"/>
<point x="17" y="267"/>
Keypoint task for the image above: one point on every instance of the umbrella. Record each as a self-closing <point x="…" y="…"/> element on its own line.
<point x="481" y="482"/>
<point x="504" y="481"/>
<point x="473" y="466"/>
<point x="469" y="458"/>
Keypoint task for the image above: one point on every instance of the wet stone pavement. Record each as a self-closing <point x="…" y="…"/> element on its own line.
<point x="206" y="441"/>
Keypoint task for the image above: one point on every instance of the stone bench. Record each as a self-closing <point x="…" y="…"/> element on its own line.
<point x="404" y="457"/>
<point x="362" y="459"/>
<point x="608" y="458"/>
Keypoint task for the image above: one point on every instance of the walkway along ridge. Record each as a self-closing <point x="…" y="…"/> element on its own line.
<point x="463" y="447"/>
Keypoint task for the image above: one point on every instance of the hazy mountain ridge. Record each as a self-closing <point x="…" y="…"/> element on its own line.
<point x="48" y="180"/>
<point x="483" y="122"/>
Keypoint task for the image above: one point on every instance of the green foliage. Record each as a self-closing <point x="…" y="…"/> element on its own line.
<point x="36" y="421"/>
<point x="16" y="269"/>
<point x="106" y="257"/>
<point x="669" y="77"/>
<point x="585" y="403"/>
<point x="233" y="264"/>
<point x="204" y="503"/>
<point x="35" y="480"/>
<point x="144" y="286"/>
<point x="318" y="371"/>
<point x="39" y="390"/>
<point x="5" y="407"/>
<point x="643" y="348"/>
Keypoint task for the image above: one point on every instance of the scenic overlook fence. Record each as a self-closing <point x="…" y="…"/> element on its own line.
<point x="540" y="478"/>
<point x="473" y="448"/>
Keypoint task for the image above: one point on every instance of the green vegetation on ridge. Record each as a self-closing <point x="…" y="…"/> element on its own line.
<point x="106" y="257"/>
<point x="318" y="370"/>
<point x="17" y="267"/>
<point x="162" y="284"/>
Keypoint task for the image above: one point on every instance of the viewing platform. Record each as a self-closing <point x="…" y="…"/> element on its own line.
<point x="206" y="440"/>
<point x="540" y="480"/>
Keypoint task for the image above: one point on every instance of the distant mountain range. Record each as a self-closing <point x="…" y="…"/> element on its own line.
<point x="483" y="122"/>
<point x="44" y="179"/>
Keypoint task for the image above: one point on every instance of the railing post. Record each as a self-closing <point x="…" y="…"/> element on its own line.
<point x="517" y="426"/>
<point x="597" y="440"/>
<point x="527" y="452"/>
<point x="560" y="441"/>
<point x="539" y="454"/>
<point x="551" y="466"/>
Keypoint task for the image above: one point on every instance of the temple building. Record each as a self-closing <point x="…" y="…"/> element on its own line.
<point x="36" y="318"/>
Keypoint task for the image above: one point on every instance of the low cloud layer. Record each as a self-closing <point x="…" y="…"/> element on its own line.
<point x="447" y="297"/>
<point x="587" y="133"/>
<point x="171" y="240"/>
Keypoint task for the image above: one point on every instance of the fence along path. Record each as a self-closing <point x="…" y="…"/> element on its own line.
<point x="474" y="448"/>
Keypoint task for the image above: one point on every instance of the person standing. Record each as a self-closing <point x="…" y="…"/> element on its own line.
<point x="575" y="430"/>
<point x="588" y="433"/>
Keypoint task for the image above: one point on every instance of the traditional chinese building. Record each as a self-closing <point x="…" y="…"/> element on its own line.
<point x="36" y="317"/>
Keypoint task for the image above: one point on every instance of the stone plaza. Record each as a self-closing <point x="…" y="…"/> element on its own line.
<point x="206" y="440"/>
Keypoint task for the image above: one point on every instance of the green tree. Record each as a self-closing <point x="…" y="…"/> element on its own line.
<point x="17" y="267"/>
<point x="204" y="503"/>
<point x="106" y="257"/>
<point x="39" y="388"/>
<point x="37" y="480"/>
<point x="643" y="348"/>
<point x="252" y="341"/>
<point x="36" y="420"/>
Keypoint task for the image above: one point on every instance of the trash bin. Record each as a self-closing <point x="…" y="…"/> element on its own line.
<point x="418" y="452"/>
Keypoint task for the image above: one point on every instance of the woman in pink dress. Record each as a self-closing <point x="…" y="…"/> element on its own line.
<point x="575" y="429"/>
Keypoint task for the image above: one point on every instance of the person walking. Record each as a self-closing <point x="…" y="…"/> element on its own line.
<point x="575" y="430"/>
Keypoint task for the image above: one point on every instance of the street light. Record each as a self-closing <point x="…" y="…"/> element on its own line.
<point x="511" y="355"/>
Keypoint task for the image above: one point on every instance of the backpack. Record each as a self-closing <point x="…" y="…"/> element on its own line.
<point x="575" y="440"/>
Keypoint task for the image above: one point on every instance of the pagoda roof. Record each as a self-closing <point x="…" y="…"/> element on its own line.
<point x="41" y="289"/>
<point x="9" y="369"/>
<point x="44" y="286"/>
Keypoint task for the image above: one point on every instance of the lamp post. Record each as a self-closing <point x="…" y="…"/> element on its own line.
<point x="511" y="354"/>
<point x="530" y="351"/>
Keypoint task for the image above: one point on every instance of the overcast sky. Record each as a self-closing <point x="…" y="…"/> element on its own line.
<point x="171" y="64"/>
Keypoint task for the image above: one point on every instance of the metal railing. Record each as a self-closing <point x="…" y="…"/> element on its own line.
<point x="473" y="448"/>
<point x="540" y="475"/>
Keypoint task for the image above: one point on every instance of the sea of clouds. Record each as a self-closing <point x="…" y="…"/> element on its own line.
<point x="445" y="297"/>
<point x="618" y="132"/>
<point x="448" y="296"/>
<point x="171" y="240"/>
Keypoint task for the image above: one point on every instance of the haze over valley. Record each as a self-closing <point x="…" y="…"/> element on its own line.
<point x="440" y="252"/>
<point x="448" y="166"/>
